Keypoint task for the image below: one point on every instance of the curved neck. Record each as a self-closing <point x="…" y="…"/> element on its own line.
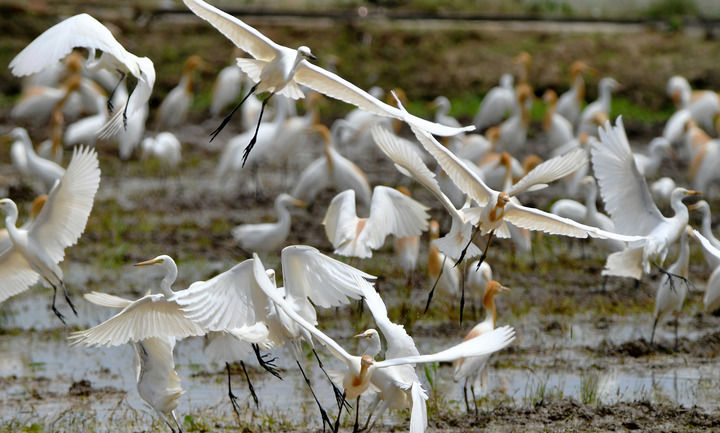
<point x="282" y="211"/>
<point x="549" y="113"/>
<point x="591" y="198"/>
<point x="11" y="217"/>
<point x="490" y="310"/>
<point x="578" y="87"/>
<point x="168" y="279"/>
<point x="679" y="207"/>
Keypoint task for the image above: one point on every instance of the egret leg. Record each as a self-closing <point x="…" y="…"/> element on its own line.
<point x="472" y="391"/>
<point x="462" y="291"/>
<point x="231" y="395"/>
<point x="54" y="309"/>
<point x="464" y="250"/>
<point x="250" y="145"/>
<point x="432" y="291"/>
<point x="467" y="406"/>
<point x="484" y="254"/>
<point x="250" y="385"/>
<point x="323" y="413"/>
<point x="267" y="364"/>
<point x="229" y="116"/>
<point x="337" y="420"/>
<point x="179" y="429"/>
<point x="339" y="396"/>
<point x="371" y="410"/>
<point x="112" y="93"/>
<point x="356" y="426"/>
<point x="67" y="298"/>
<point x="652" y="334"/>
<point x="677" y="319"/>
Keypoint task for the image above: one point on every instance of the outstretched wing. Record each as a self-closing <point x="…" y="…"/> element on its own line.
<point x="550" y="170"/>
<point x="399" y="343"/>
<point x="308" y="273"/>
<point x="16" y="275"/>
<point x="63" y="217"/>
<point x="228" y="300"/>
<point x="341" y="220"/>
<point x="59" y="40"/>
<point x="393" y="213"/>
<point x="242" y="35"/>
<point x="332" y="85"/>
<point x="624" y="190"/>
<point x="149" y="316"/>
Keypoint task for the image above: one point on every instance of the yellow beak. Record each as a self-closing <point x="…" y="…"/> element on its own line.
<point x="149" y="262"/>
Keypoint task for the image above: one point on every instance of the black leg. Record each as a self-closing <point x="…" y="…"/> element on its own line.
<point x="337" y="420"/>
<point x="472" y="390"/>
<point x="229" y="116"/>
<point x="356" y="426"/>
<point x="467" y="406"/>
<point x="484" y="254"/>
<point x="432" y="291"/>
<point x="54" y="309"/>
<point x="67" y="298"/>
<point x="323" y="413"/>
<point x="464" y="251"/>
<point x="652" y="334"/>
<point x="250" y="145"/>
<point x="250" y="385"/>
<point x="112" y="93"/>
<point x="231" y="395"/>
<point x="339" y="396"/>
<point x="267" y="364"/>
<point x="462" y="291"/>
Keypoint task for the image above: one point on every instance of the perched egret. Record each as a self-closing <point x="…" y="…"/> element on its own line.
<point x="267" y="237"/>
<point x="85" y="31"/>
<point x="391" y="213"/>
<point x="496" y="104"/>
<point x="278" y="69"/>
<point x="164" y="146"/>
<point x="557" y="128"/>
<point x="569" y="104"/>
<point x="37" y="249"/>
<point x="174" y="108"/>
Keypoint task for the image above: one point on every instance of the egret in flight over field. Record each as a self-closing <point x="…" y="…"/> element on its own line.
<point x="37" y="249"/>
<point x="279" y="69"/>
<point x="85" y="31"/>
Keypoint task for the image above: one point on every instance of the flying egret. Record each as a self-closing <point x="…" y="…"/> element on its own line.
<point x="85" y="31"/>
<point x="473" y="368"/>
<point x="570" y="103"/>
<point x="496" y="208"/>
<point x="267" y="237"/>
<point x="47" y="171"/>
<point x="37" y="249"/>
<point x="670" y="297"/>
<point x="360" y="369"/>
<point x="278" y="69"/>
<point x="628" y="201"/>
<point x="391" y="213"/>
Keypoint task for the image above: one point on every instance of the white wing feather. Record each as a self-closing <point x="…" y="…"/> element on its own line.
<point x="399" y="343"/>
<point x="551" y="170"/>
<point x="16" y="275"/>
<point x="487" y="343"/>
<point x="107" y="300"/>
<point x="149" y="316"/>
<point x="63" y="217"/>
<point x="242" y="35"/>
<point x="341" y="220"/>
<point x="707" y="245"/>
<point x="624" y="190"/>
<point x="418" y="414"/>
<point x="393" y="213"/>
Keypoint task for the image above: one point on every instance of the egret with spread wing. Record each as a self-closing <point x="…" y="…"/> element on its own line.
<point x="278" y="69"/>
<point x="37" y="249"/>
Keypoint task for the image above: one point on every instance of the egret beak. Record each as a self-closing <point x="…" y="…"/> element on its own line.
<point x="149" y="262"/>
<point x="312" y="57"/>
<point x="300" y="203"/>
<point x="694" y="206"/>
<point x="692" y="192"/>
<point x="362" y="335"/>
<point x="502" y="288"/>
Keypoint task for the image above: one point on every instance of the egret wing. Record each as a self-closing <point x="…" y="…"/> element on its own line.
<point x="551" y="170"/>
<point x="332" y="85"/>
<point x="58" y="41"/>
<point x="418" y="413"/>
<point x="463" y="176"/>
<point x="63" y="217"/>
<point x="138" y="98"/>
<point x="536" y="219"/>
<point x="274" y="295"/>
<point x="411" y="164"/>
<point x="149" y="316"/>
<point x="399" y="343"/>
<point x="308" y="273"/>
<point x="487" y="343"/>
<point x="624" y="190"/>
<point x="16" y="275"/>
<point x="229" y="300"/>
<point x="107" y="300"/>
<point x="340" y="220"/>
<point x="242" y="35"/>
<point x="706" y="245"/>
<point x="392" y="212"/>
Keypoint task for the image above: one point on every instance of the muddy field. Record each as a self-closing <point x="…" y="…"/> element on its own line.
<point x="581" y="360"/>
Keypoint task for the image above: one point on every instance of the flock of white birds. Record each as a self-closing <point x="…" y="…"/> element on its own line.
<point x="478" y="182"/>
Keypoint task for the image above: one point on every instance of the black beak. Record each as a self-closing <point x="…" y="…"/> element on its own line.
<point x="311" y="57"/>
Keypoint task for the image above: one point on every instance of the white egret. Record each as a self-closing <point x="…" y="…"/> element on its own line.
<point x="496" y="104"/>
<point x="662" y="189"/>
<point x="278" y="69"/>
<point x="48" y="172"/>
<point x="711" y="300"/>
<point x="407" y="249"/>
<point x="174" y="108"/>
<point x="442" y="115"/>
<point x="649" y="164"/>
<point x="569" y="104"/>
<point x="557" y="128"/>
<point x="706" y="230"/>
<point x="360" y="369"/>
<point x="628" y="201"/>
<point x="391" y="213"/>
<point x="85" y="31"/>
<point x="473" y="368"/>
<point x="164" y="146"/>
<point x="670" y="297"/>
<point x="35" y="209"/>
<point x="267" y="237"/>
<point x="37" y="249"/>
<point x="600" y="105"/>
<point x="227" y="87"/>
<point x="513" y="131"/>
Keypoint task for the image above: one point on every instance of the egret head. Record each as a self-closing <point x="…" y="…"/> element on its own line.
<point x="503" y="199"/>
<point x="163" y="259"/>
<point x="494" y="288"/>
<point x="550" y="97"/>
<point x="367" y="334"/>
<point x="305" y="52"/>
<point x="8" y="207"/>
<point x="434" y="229"/>
<point x="366" y="361"/>
<point x="287" y="199"/>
